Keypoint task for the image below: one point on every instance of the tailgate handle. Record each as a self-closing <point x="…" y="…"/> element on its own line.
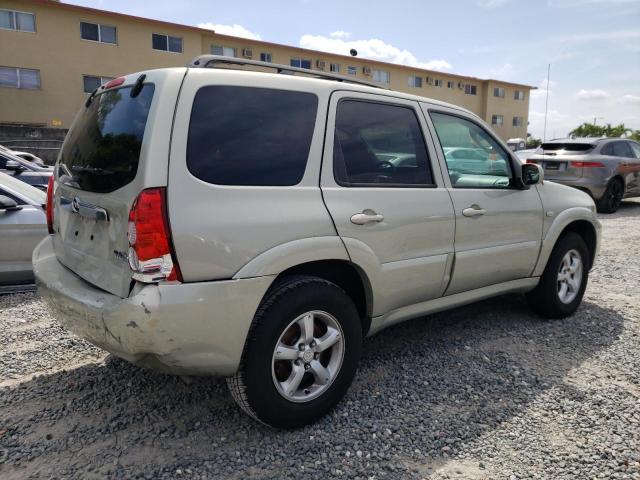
<point x="84" y="209"/>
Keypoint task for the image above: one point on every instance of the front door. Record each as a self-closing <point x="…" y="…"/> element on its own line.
<point x="498" y="226"/>
<point x="386" y="196"/>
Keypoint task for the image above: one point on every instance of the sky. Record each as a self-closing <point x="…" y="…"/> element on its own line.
<point x="593" y="46"/>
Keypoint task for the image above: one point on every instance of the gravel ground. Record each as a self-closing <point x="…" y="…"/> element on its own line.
<point x="485" y="391"/>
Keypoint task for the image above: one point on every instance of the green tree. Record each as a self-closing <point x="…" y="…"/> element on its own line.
<point x="635" y="135"/>
<point x="533" y="142"/>
<point x="593" y="130"/>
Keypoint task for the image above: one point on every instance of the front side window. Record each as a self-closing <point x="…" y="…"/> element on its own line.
<point x="415" y="82"/>
<point x="223" y="51"/>
<point x="377" y="144"/>
<point x="381" y="76"/>
<point x="301" y="63"/>
<point x="166" y="43"/>
<point x="22" y="21"/>
<point x="91" y="82"/>
<point x="635" y="148"/>
<point x="98" y="33"/>
<point x="250" y="136"/>
<point x="498" y="92"/>
<point x="24" y="78"/>
<point x="474" y="158"/>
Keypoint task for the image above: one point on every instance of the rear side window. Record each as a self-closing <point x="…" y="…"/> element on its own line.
<point x="378" y="144"/>
<point x="250" y="136"/>
<point x="102" y="149"/>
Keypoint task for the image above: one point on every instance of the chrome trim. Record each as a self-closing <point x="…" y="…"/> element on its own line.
<point x="84" y="209"/>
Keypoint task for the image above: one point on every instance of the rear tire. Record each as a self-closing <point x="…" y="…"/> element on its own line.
<point x="564" y="280"/>
<point x="301" y="353"/>
<point x="612" y="198"/>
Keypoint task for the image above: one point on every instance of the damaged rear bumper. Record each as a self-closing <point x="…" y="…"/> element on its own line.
<point x="196" y="329"/>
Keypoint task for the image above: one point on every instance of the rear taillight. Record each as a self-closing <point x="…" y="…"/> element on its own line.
<point x="151" y="254"/>
<point x="531" y="161"/>
<point x="579" y="164"/>
<point x="49" y="207"/>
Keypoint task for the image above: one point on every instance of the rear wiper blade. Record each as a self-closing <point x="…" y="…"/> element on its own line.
<point x="93" y="170"/>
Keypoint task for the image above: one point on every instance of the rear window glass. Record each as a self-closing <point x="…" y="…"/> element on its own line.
<point x="102" y="149"/>
<point x="574" y="148"/>
<point x="250" y="136"/>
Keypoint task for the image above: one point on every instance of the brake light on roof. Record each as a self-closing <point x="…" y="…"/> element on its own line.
<point x="581" y="164"/>
<point x="116" y="82"/>
<point x="151" y="254"/>
<point x="49" y="206"/>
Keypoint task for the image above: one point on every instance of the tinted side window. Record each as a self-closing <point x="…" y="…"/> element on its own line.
<point x="635" y="148"/>
<point x="379" y="144"/>
<point x="621" y="149"/>
<point x="474" y="159"/>
<point x="250" y="136"/>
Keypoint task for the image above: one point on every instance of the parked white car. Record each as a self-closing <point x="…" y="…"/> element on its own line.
<point x="250" y="225"/>
<point x="23" y="225"/>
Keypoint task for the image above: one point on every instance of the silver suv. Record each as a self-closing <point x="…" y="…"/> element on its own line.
<point x="608" y="169"/>
<point x="256" y="226"/>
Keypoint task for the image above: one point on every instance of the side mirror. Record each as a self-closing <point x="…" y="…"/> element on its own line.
<point x="8" y="204"/>
<point x="14" y="166"/>
<point x="532" y="174"/>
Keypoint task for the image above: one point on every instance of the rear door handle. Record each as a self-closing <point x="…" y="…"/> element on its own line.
<point x="473" y="211"/>
<point x="367" y="216"/>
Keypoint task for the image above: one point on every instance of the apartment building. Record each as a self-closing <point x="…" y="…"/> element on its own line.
<point x="53" y="54"/>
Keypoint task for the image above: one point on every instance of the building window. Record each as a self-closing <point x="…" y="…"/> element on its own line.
<point x="301" y="63"/>
<point x="517" y="121"/>
<point x="414" y="81"/>
<point x="223" y="51"/>
<point x="98" y="33"/>
<point x="91" y="82"/>
<point x="437" y="82"/>
<point x="166" y="43"/>
<point x="265" y="57"/>
<point x="12" y="20"/>
<point x="451" y="84"/>
<point x="498" y="92"/>
<point x="518" y="95"/>
<point x="25" y="78"/>
<point x="334" y="67"/>
<point x="470" y="89"/>
<point x="497" y="120"/>
<point x="351" y="70"/>
<point x="381" y="76"/>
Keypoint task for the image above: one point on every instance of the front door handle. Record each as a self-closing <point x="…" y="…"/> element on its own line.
<point x="473" y="211"/>
<point x="367" y="216"/>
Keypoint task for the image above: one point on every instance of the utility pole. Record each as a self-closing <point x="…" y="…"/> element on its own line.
<point x="546" y="105"/>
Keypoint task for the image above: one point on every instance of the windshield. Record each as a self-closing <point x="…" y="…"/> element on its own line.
<point x="102" y="149"/>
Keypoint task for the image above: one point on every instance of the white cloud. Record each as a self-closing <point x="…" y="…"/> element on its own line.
<point x="630" y="99"/>
<point x="592" y="95"/>
<point x="340" y="34"/>
<point x="373" y="49"/>
<point x="543" y="86"/>
<point x="492" y="3"/>
<point x="234" y="30"/>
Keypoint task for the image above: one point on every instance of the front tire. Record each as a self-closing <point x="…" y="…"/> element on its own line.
<point x="612" y="198"/>
<point x="301" y="353"/>
<point x="564" y="280"/>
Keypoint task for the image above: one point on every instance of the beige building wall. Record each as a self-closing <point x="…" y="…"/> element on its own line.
<point x="57" y="50"/>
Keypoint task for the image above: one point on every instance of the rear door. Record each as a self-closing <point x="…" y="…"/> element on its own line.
<point x="498" y="227"/>
<point x="117" y="146"/>
<point x="634" y="164"/>
<point x="386" y="198"/>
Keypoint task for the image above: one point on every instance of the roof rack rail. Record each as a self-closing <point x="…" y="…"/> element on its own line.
<point x="211" y="61"/>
